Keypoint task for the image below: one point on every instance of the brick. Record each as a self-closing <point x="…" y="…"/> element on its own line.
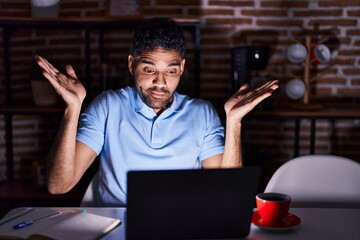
<point x="214" y="21"/>
<point x="163" y="11"/>
<point x="336" y="3"/>
<point x="355" y="82"/>
<point x="216" y="30"/>
<point x="216" y="61"/>
<point x="186" y="3"/>
<point x="210" y="11"/>
<point x="214" y="50"/>
<point x="215" y="41"/>
<point x="347" y="61"/>
<point x="318" y="13"/>
<point x="14" y="5"/>
<point x="353" y="32"/>
<point x="348" y="52"/>
<point x="279" y="23"/>
<point x="15" y="14"/>
<point x="354" y="13"/>
<point x="264" y="13"/>
<point x="70" y="14"/>
<point x="351" y="71"/>
<point x="331" y="80"/>
<point x="334" y="22"/>
<point x="64" y="5"/>
<point x="95" y="13"/>
<point x="300" y="34"/>
<point x="71" y="41"/>
<point x="232" y="3"/>
<point x="59" y="32"/>
<point x="284" y="4"/>
<point x="348" y="91"/>
<point x="21" y="43"/>
<point x="323" y="91"/>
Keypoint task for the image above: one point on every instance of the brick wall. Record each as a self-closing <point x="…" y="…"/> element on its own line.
<point x="224" y="24"/>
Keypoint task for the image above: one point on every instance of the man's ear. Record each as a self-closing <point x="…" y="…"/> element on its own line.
<point x="131" y="64"/>
<point x="182" y="65"/>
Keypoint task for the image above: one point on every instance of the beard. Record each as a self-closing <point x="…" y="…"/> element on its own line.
<point x="156" y="103"/>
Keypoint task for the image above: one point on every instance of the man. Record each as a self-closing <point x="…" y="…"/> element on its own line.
<point x="150" y="126"/>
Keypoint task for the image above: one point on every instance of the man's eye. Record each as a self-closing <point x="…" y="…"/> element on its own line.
<point x="171" y="71"/>
<point x="149" y="71"/>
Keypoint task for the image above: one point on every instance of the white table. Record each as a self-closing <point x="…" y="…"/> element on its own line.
<point x="316" y="223"/>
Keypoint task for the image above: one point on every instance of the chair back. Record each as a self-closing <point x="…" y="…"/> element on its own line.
<point x="318" y="181"/>
<point x="89" y="198"/>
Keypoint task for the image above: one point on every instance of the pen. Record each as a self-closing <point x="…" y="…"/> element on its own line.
<point x="16" y="215"/>
<point x="28" y="223"/>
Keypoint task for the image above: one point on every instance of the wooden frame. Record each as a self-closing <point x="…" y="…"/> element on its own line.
<point x="121" y="8"/>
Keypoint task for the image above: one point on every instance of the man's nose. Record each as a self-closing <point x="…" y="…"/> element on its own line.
<point x="159" y="80"/>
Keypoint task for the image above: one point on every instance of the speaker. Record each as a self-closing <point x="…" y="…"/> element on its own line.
<point x="245" y="59"/>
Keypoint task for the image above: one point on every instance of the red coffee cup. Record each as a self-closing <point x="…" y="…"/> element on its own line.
<point x="320" y="54"/>
<point x="272" y="207"/>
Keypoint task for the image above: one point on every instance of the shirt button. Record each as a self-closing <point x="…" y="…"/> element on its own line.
<point x="156" y="124"/>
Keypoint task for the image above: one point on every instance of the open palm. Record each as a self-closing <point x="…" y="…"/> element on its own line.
<point x="243" y="101"/>
<point x="67" y="86"/>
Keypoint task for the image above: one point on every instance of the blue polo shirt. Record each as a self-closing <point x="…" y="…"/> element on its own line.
<point x="128" y="135"/>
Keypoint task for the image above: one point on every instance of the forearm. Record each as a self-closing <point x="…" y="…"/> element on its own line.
<point x="232" y="157"/>
<point x="61" y="167"/>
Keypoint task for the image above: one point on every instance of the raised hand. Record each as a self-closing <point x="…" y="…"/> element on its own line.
<point x="67" y="86"/>
<point x="243" y="101"/>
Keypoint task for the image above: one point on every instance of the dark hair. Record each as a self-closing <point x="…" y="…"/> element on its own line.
<point x="158" y="33"/>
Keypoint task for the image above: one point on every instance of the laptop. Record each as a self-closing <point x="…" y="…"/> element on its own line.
<point x="191" y="204"/>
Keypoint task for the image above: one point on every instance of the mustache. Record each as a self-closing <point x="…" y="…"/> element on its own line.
<point x="158" y="89"/>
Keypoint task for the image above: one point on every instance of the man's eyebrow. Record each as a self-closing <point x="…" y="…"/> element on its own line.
<point x="146" y="61"/>
<point x="176" y="63"/>
<point x="172" y="64"/>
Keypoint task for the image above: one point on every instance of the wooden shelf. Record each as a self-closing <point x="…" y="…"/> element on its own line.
<point x="344" y="111"/>
<point x="329" y="111"/>
<point x="90" y="20"/>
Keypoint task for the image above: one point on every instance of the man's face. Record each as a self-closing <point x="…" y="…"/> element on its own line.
<point x="157" y="75"/>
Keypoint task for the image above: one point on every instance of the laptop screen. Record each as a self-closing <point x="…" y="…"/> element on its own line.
<point x="190" y="204"/>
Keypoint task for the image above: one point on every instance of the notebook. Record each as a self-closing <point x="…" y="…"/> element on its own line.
<point x="47" y="223"/>
<point x="190" y="204"/>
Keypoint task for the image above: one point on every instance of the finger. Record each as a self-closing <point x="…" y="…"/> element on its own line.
<point x="274" y="84"/>
<point x="269" y="84"/>
<point x="52" y="80"/>
<point x="52" y="69"/>
<point x="70" y="71"/>
<point x="53" y="77"/>
<point x="45" y="65"/>
<point x="243" y="89"/>
<point x="266" y="91"/>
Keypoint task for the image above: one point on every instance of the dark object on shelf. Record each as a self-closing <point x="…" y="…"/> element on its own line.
<point x="245" y="59"/>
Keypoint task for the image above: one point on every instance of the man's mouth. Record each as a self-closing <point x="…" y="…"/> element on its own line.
<point x="158" y="93"/>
